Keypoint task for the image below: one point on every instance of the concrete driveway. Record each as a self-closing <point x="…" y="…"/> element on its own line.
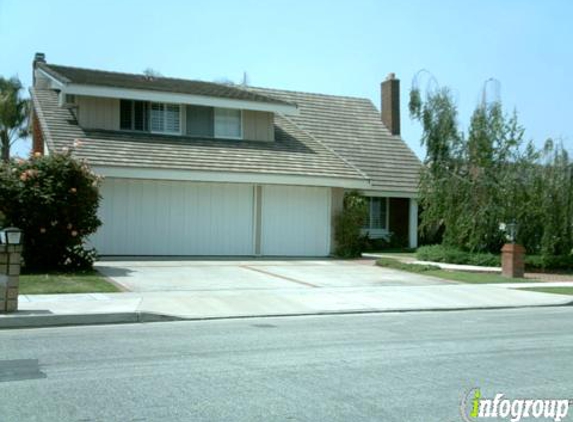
<point x="214" y="275"/>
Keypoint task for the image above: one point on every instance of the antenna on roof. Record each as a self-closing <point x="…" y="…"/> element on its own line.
<point x="151" y="73"/>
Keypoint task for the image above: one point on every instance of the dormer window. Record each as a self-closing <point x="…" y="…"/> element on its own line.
<point x="176" y="119"/>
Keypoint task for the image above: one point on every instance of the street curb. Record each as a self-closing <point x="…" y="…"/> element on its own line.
<point x="41" y="321"/>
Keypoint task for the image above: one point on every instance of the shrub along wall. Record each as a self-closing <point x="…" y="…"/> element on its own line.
<point x="451" y="255"/>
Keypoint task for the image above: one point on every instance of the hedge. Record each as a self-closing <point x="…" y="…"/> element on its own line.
<point x="451" y="255"/>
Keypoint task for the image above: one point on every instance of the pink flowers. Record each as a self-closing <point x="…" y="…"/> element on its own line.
<point x="28" y="174"/>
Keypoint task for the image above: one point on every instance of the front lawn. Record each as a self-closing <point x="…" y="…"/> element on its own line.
<point x="461" y="276"/>
<point x="476" y="278"/>
<point x="556" y="290"/>
<point x="51" y="283"/>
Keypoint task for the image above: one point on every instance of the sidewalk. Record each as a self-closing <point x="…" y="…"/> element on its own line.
<point x="74" y="309"/>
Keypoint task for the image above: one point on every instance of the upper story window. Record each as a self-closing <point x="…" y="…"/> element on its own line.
<point x="134" y="115"/>
<point x="154" y="117"/>
<point x="228" y="123"/>
<point x="165" y="118"/>
<point x="198" y="121"/>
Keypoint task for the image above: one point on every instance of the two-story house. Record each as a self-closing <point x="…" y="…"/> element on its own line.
<point x="200" y="168"/>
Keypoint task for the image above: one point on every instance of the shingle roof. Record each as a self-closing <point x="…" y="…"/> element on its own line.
<point x="332" y="136"/>
<point x="294" y="152"/>
<point x="352" y="127"/>
<point x="76" y="75"/>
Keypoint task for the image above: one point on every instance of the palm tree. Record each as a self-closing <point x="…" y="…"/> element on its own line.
<point x="14" y="112"/>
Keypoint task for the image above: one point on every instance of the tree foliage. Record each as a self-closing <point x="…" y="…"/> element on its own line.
<point x="472" y="183"/>
<point x="14" y="111"/>
<point x="54" y="200"/>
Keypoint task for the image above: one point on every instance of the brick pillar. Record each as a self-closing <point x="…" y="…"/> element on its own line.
<point x="9" y="277"/>
<point x="512" y="260"/>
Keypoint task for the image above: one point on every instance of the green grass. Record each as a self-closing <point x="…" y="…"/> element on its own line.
<point x="52" y="283"/>
<point x="410" y="253"/>
<point x="460" y="276"/>
<point x="476" y="278"/>
<point x="556" y="290"/>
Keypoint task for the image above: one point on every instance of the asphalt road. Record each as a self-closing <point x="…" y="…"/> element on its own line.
<point x="386" y="367"/>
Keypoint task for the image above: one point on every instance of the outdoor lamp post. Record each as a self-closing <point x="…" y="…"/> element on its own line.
<point x="11" y="236"/>
<point x="512" y="231"/>
<point x="512" y="254"/>
<point x="10" y="253"/>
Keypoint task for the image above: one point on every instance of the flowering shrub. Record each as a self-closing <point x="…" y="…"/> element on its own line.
<point x="54" y="200"/>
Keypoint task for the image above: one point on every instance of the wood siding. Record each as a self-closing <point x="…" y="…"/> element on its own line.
<point x="258" y="126"/>
<point x="98" y="113"/>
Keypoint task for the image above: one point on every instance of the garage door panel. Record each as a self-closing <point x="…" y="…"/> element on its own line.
<point x="175" y="218"/>
<point x="295" y="221"/>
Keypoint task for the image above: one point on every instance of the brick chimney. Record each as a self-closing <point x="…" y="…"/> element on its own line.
<point x="391" y="104"/>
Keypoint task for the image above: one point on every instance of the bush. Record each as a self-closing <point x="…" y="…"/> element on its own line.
<point x="348" y="224"/>
<point x="440" y="253"/>
<point x="557" y="262"/>
<point x="54" y="200"/>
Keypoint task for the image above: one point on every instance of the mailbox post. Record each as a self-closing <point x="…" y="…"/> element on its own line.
<point x="10" y="257"/>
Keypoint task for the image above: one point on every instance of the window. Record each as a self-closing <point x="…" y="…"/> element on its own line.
<point x="228" y="123"/>
<point x="378" y="215"/>
<point x="165" y="118"/>
<point x="134" y="115"/>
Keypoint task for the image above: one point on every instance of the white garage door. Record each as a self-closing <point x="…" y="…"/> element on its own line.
<point x="144" y="217"/>
<point x="295" y="221"/>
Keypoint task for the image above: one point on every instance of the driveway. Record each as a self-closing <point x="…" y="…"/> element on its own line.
<point x="214" y="275"/>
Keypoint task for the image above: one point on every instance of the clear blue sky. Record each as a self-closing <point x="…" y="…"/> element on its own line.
<point x="334" y="47"/>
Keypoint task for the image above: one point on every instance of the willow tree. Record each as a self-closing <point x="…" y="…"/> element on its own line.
<point x="470" y="184"/>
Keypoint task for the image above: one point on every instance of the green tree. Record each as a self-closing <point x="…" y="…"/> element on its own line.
<point x="469" y="185"/>
<point x="14" y="111"/>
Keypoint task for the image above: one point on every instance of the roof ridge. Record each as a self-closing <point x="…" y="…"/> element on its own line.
<point x="114" y="72"/>
<point x="329" y="149"/>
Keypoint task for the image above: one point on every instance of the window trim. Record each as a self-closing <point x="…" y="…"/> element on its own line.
<point x="240" y="137"/>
